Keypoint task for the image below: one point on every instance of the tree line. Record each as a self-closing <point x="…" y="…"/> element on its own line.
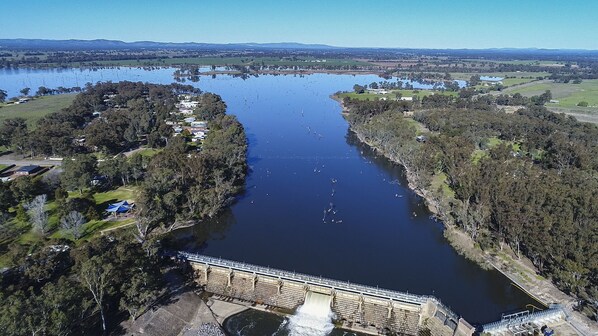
<point x="508" y="180"/>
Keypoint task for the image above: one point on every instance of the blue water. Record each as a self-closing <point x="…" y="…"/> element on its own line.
<point x="491" y="78"/>
<point x="381" y="234"/>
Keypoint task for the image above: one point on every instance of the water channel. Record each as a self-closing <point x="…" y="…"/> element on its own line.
<point x="304" y="161"/>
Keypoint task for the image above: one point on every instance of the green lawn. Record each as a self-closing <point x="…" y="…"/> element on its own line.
<point x="29" y="237"/>
<point x="119" y="194"/>
<point x="149" y="152"/>
<point x="34" y="110"/>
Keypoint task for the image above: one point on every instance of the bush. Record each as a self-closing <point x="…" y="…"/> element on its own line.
<point x="583" y="104"/>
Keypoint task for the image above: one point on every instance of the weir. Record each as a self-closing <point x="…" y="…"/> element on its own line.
<point x="314" y="317"/>
<point x="354" y="306"/>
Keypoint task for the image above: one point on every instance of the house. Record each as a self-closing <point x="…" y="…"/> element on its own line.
<point x="378" y="91"/>
<point x="189" y="119"/>
<point x="186" y="111"/>
<point x="196" y="130"/>
<point x="199" y="124"/>
<point x="189" y="104"/>
<point x="27" y="170"/>
<point x="407" y="98"/>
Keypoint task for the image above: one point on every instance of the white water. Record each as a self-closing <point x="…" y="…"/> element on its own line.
<point x="313" y="318"/>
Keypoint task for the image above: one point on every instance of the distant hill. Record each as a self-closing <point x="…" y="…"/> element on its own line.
<point x="102" y="44"/>
<point x="115" y="44"/>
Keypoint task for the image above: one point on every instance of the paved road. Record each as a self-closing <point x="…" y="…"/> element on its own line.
<point x="26" y="162"/>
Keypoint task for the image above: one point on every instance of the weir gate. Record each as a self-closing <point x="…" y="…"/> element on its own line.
<point x="355" y="306"/>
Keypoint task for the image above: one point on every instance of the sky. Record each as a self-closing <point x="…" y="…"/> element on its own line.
<point x="555" y="24"/>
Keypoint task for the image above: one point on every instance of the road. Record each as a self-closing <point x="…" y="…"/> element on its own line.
<point x="27" y="162"/>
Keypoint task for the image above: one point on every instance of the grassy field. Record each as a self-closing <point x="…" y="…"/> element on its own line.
<point x="568" y="95"/>
<point x="37" y="108"/>
<point x="510" y="78"/>
<point x="223" y="61"/>
<point x="392" y="94"/>
<point x="516" y="81"/>
<point x="519" y="62"/>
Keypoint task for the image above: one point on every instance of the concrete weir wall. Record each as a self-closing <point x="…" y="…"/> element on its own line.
<point x="354" y="305"/>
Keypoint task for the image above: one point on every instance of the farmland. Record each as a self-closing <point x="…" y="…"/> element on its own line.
<point x="234" y="61"/>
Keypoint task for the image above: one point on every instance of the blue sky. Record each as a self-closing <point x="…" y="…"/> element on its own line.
<point x="365" y="23"/>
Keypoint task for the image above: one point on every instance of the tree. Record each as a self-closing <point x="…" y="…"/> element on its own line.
<point x="78" y="172"/>
<point x="474" y="80"/>
<point x="2" y="96"/>
<point x="37" y="213"/>
<point x="139" y="291"/>
<point x="115" y="170"/>
<point x="14" y="133"/>
<point x="358" y="89"/>
<point x="42" y="91"/>
<point x="210" y="106"/>
<point x="6" y="197"/>
<point x="543" y="98"/>
<point x="25" y="91"/>
<point x="73" y="222"/>
<point x="96" y="276"/>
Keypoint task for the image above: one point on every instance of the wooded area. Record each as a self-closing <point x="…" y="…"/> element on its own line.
<point x="527" y="180"/>
<point x="64" y="278"/>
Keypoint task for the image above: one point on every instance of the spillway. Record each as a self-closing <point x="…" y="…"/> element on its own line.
<point x="313" y="318"/>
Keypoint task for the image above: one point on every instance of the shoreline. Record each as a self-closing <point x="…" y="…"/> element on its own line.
<point x="520" y="272"/>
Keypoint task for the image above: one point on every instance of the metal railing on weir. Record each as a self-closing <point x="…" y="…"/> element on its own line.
<point x="314" y="280"/>
<point x="513" y="320"/>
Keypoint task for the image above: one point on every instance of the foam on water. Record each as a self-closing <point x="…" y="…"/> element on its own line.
<point x="313" y="318"/>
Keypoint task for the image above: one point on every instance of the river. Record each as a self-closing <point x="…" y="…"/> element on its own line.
<point x="304" y="161"/>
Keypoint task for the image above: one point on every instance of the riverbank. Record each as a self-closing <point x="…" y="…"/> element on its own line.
<point x="520" y="271"/>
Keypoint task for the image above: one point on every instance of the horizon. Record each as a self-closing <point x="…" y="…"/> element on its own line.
<point x="431" y="24"/>
<point x="291" y="42"/>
